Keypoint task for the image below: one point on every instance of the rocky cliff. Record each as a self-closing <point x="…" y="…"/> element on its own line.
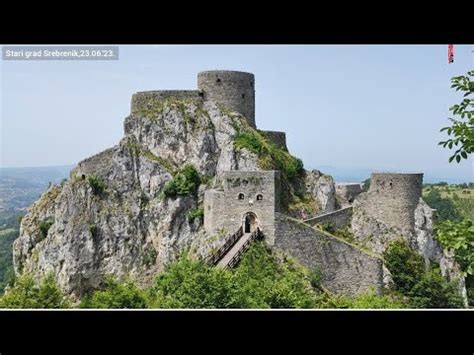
<point x="112" y="217"/>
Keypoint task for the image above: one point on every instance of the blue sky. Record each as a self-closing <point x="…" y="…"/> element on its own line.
<point x="344" y="107"/>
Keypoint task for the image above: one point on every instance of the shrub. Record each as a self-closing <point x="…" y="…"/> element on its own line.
<point x="315" y="277"/>
<point x="45" y="225"/>
<point x="195" y="213"/>
<point x="185" y="182"/>
<point x="370" y="300"/>
<point x="26" y="293"/>
<point x="192" y="284"/>
<point x="423" y="288"/>
<point x="116" y="294"/>
<point x="97" y="184"/>
<point x="458" y="237"/>
<point x="405" y="265"/>
<point x="433" y="291"/>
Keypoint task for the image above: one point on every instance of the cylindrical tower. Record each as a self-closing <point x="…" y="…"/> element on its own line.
<point x="394" y="197"/>
<point x="233" y="89"/>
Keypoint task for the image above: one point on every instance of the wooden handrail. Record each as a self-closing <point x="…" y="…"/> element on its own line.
<point x="257" y="234"/>
<point x="228" y="244"/>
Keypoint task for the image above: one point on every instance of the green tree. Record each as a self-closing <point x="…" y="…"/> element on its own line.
<point x="116" y="294"/>
<point x="26" y="293"/>
<point x="424" y="288"/>
<point x="445" y="207"/>
<point x="185" y="182"/>
<point x="192" y="284"/>
<point x="458" y="237"/>
<point x="370" y="300"/>
<point x="433" y="291"/>
<point x="462" y="127"/>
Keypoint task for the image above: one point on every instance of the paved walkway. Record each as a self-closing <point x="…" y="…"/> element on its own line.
<point x="230" y="254"/>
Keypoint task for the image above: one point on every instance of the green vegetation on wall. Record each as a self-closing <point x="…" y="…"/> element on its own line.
<point x="272" y="157"/>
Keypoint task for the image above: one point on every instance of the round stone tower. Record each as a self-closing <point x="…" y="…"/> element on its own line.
<point x="394" y="197"/>
<point x="233" y="89"/>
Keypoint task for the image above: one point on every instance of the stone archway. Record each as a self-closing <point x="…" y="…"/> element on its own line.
<point x="250" y="222"/>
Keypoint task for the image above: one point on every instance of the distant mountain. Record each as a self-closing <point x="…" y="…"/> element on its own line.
<point x="20" y="187"/>
<point x="343" y="174"/>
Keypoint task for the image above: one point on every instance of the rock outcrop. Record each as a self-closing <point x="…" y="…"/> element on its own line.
<point x="110" y="216"/>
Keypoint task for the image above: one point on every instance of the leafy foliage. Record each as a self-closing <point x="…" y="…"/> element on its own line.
<point x="405" y="265"/>
<point x="423" y="288"/>
<point x="195" y="213"/>
<point x="97" y="184"/>
<point x="270" y="155"/>
<point x="6" y="257"/>
<point x="458" y="237"/>
<point x="370" y="300"/>
<point x="445" y="207"/>
<point x="25" y="293"/>
<point x="462" y="128"/>
<point x="116" y="294"/>
<point x="185" y="182"/>
<point x="433" y="291"/>
<point x="191" y="284"/>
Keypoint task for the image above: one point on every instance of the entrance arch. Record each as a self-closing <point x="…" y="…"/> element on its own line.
<point x="249" y="222"/>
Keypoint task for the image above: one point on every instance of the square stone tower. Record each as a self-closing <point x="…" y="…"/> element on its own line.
<point x="247" y="199"/>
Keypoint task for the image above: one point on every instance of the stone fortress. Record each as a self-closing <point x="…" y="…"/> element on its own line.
<point x="128" y="230"/>
<point x="250" y="200"/>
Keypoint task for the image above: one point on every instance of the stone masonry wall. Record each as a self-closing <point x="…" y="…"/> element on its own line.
<point x="348" y="191"/>
<point x="224" y="211"/>
<point x="141" y="99"/>
<point x="393" y="198"/>
<point x="277" y="138"/>
<point x="234" y="89"/>
<point x="337" y="219"/>
<point x="345" y="269"/>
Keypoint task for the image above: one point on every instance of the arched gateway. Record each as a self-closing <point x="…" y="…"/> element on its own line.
<point x="250" y="222"/>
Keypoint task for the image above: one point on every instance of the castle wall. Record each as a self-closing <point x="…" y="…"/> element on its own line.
<point x="224" y="210"/>
<point x="345" y="269"/>
<point x="233" y="89"/>
<point x="392" y="199"/>
<point x="348" y="191"/>
<point x="277" y="138"/>
<point x="337" y="219"/>
<point x="140" y="100"/>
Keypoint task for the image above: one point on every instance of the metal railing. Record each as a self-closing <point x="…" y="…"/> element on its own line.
<point x="257" y="234"/>
<point x="229" y="243"/>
